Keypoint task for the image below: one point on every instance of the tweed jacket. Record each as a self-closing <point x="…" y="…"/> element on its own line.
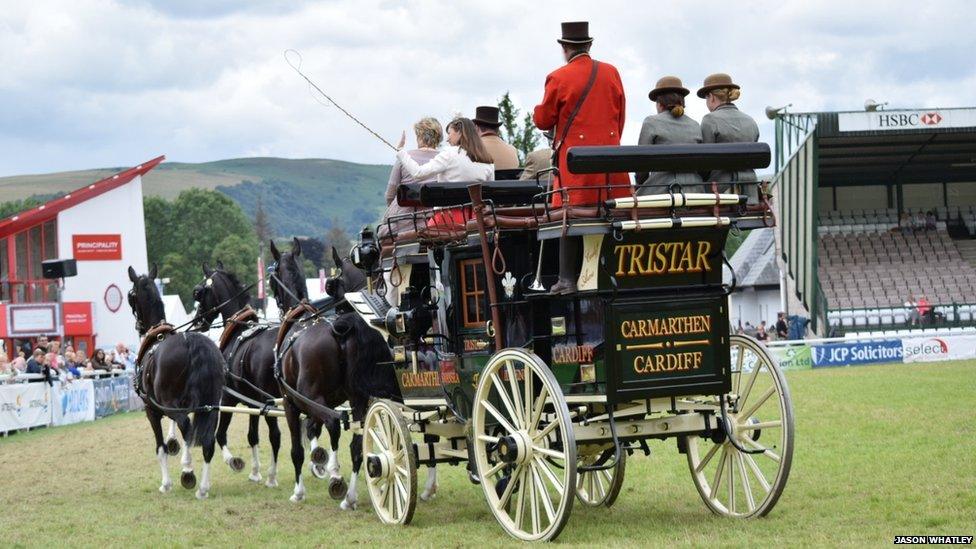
<point x="727" y="124"/>
<point x="665" y="129"/>
<point x="504" y="156"/>
<point x="535" y="161"/>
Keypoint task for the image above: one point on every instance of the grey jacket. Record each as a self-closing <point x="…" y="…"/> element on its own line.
<point x="665" y="129"/>
<point x="727" y="124"/>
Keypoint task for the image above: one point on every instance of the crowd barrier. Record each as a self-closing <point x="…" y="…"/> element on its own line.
<point x="824" y="353"/>
<point x="30" y="402"/>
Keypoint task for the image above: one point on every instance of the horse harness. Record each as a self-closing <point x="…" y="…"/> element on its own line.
<point x="249" y="317"/>
<point x="156" y="335"/>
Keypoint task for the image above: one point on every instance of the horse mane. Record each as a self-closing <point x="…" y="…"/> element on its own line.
<point x="367" y="357"/>
<point x="155" y="302"/>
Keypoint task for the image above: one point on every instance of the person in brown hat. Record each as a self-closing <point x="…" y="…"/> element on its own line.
<point x="504" y="155"/>
<point x="670" y="126"/>
<point x="725" y="123"/>
<point x="584" y="104"/>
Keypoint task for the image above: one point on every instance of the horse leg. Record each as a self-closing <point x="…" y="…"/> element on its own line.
<point x="297" y="451"/>
<point x="156" y="422"/>
<point x="430" y="488"/>
<point x="188" y="479"/>
<point x="337" y="485"/>
<point x="356" y="451"/>
<point x="252" y="441"/>
<point x="236" y="464"/>
<point x="208" y="444"/>
<point x="274" y="436"/>
<point x="317" y="455"/>
<point x="172" y="443"/>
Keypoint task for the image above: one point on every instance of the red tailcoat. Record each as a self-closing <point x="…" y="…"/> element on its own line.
<point x="599" y="121"/>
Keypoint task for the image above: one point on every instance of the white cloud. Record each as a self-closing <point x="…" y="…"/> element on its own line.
<point x="107" y="83"/>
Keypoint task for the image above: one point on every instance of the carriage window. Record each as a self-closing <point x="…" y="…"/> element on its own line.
<point x="472" y="293"/>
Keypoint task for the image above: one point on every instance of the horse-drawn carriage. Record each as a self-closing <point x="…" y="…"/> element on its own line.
<point x="546" y="396"/>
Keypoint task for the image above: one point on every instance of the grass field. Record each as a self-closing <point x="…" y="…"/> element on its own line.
<point x="880" y="451"/>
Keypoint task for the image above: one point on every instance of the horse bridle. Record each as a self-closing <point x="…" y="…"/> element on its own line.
<point x="279" y="284"/>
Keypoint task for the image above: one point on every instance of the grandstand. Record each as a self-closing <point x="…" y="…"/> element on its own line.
<point x="853" y="190"/>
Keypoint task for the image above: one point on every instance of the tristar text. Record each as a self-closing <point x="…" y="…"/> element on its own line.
<point x="659" y="258"/>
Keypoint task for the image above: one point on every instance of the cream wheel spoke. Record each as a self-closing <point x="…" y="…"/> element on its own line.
<point x="513" y="413"/>
<point x="499" y="417"/>
<point x="519" y="502"/>
<point x="708" y="457"/>
<point x="759" y="402"/>
<point x="533" y="504"/>
<point x="762" y="425"/>
<point x="731" y="481"/>
<point x="542" y="494"/>
<point x="752" y="380"/>
<point x="529" y="384"/>
<point x="545" y="431"/>
<point x="547" y="472"/>
<point x="754" y="467"/>
<point x="551" y="453"/>
<point x="507" y="494"/>
<point x="488" y="438"/>
<point x="766" y="451"/>
<point x="718" y="471"/>
<point x="494" y="469"/>
<point x="516" y="394"/>
<point x="376" y="440"/>
<point x="538" y="407"/>
<point x="746" y="485"/>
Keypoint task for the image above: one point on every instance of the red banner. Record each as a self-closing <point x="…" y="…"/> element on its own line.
<point x="77" y="317"/>
<point x="97" y="247"/>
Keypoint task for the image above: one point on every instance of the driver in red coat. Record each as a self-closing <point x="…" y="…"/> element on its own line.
<point x="599" y="121"/>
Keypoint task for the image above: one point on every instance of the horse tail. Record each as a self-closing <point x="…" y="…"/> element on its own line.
<point x="205" y="384"/>
<point x="365" y="350"/>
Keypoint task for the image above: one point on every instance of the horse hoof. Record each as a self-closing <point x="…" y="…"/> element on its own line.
<point x="188" y="480"/>
<point x="319" y="456"/>
<point x="295" y="498"/>
<point x="428" y="496"/>
<point x="271" y="483"/>
<point x="347" y="505"/>
<point x="318" y="471"/>
<point x="337" y="488"/>
<point x="202" y="495"/>
<point x="173" y="447"/>
<point x="254" y="477"/>
<point x="236" y="464"/>
<point x="165" y="488"/>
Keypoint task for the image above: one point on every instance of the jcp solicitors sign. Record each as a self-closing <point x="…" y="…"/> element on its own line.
<point x="97" y="247"/>
<point x="935" y="349"/>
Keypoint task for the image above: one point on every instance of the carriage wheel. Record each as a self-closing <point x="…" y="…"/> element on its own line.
<point x="524" y="448"/>
<point x="391" y="469"/>
<point x="601" y="487"/>
<point x="740" y="484"/>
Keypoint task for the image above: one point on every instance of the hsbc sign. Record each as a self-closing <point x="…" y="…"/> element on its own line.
<point x="905" y="120"/>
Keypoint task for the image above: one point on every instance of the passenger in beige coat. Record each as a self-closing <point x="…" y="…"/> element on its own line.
<point x="536" y="161"/>
<point x="504" y="155"/>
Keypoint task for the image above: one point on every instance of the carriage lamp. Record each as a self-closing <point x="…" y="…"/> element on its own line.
<point x="558" y="325"/>
<point x="367" y="252"/>
<point x="587" y="373"/>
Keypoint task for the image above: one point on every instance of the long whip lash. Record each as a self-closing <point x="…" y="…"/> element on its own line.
<point x="298" y="68"/>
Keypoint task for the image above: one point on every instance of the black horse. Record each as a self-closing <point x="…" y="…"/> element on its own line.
<point x="178" y="374"/>
<point x="248" y="348"/>
<point x="325" y="362"/>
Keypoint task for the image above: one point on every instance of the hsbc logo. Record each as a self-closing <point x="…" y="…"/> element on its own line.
<point x="931" y="118"/>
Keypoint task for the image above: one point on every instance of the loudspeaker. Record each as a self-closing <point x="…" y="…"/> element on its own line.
<point x="59" y="268"/>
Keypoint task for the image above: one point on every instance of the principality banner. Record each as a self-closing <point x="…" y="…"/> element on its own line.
<point x="24" y="405"/>
<point x="936" y="349"/>
<point x="792" y="357"/>
<point x="858" y="353"/>
<point x="74" y="402"/>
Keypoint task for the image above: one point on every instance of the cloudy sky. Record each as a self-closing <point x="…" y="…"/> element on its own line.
<point x="95" y="83"/>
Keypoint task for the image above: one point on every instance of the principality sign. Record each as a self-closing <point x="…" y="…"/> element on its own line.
<point x="97" y="247"/>
<point x="905" y="120"/>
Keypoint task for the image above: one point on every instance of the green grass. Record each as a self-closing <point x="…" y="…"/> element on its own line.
<point x="880" y="451"/>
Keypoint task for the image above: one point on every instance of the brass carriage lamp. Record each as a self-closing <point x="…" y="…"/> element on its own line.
<point x="366" y="253"/>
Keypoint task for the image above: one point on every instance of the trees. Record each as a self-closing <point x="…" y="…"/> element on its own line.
<point x="524" y="137"/>
<point x="198" y="227"/>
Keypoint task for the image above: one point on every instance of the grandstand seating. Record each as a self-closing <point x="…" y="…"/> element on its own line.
<point x="869" y="219"/>
<point x="867" y="271"/>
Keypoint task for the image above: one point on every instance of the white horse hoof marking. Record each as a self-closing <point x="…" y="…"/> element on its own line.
<point x="428" y="496"/>
<point x="254" y="477"/>
<point x="295" y="498"/>
<point x="347" y="505"/>
<point x="202" y="495"/>
<point x="165" y="488"/>
<point x="271" y="483"/>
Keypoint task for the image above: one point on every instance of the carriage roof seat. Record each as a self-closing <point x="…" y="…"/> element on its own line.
<point x="501" y="193"/>
<point x="668" y="158"/>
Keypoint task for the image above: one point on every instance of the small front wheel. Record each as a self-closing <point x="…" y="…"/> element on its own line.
<point x="602" y="486"/>
<point x="391" y="468"/>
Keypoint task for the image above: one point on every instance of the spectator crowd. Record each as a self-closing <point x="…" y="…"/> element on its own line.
<point x="52" y="360"/>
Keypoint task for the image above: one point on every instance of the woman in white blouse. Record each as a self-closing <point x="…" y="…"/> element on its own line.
<point x="465" y="159"/>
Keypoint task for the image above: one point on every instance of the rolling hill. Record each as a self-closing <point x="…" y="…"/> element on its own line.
<point x="301" y="196"/>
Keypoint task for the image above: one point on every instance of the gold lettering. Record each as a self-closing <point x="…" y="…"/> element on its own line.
<point x="621" y="251"/>
<point x="660" y="260"/>
<point x="636" y="253"/>
<point x="701" y="265"/>
<point x="686" y="258"/>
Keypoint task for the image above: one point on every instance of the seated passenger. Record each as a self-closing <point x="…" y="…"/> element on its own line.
<point x="725" y="123"/>
<point x="429" y="135"/>
<point x="464" y="160"/>
<point x="503" y="155"/>
<point x="670" y="126"/>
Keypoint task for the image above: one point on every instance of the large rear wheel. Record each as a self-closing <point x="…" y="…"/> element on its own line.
<point x="524" y="449"/>
<point x="760" y="415"/>
<point x="391" y="469"/>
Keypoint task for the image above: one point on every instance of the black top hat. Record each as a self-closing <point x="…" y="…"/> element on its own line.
<point x="576" y="32"/>
<point x="486" y="116"/>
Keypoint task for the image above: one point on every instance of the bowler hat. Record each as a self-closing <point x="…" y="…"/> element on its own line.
<point x="716" y="81"/>
<point x="668" y="84"/>
<point x="486" y="116"/>
<point x="576" y="32"/>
